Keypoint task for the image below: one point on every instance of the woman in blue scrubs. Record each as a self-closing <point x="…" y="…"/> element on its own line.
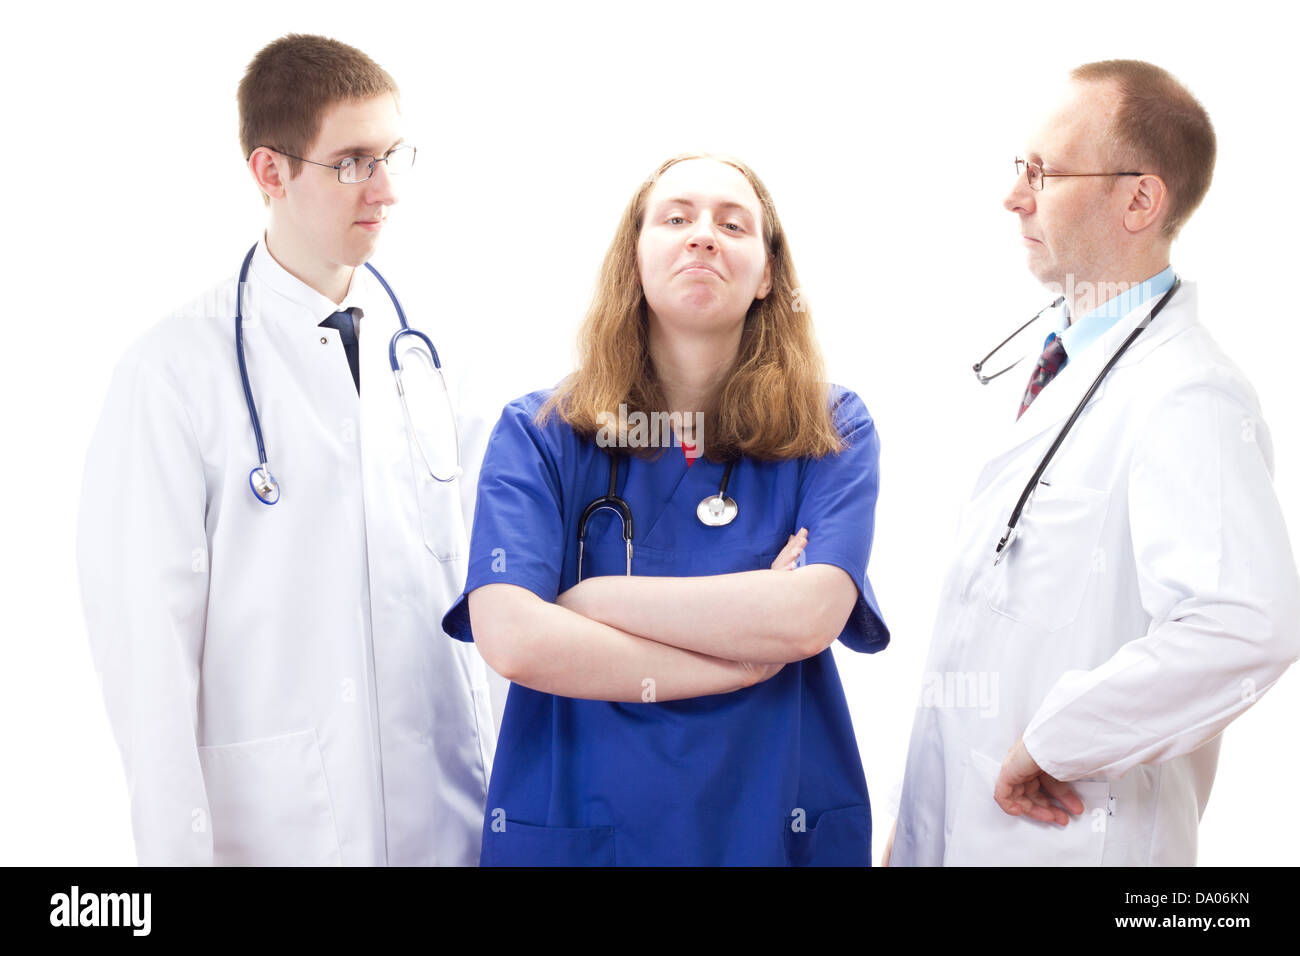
<point x="689" y="712"/>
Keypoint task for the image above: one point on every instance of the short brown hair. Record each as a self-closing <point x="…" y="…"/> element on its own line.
<point x="292" y="82"/>
<point x="775" y="402"/>
<point x="1161" y="127"/>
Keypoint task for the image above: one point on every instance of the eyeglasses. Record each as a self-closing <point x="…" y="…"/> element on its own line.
<point x="357" y="169"/>
<point x="1034" y="173"/>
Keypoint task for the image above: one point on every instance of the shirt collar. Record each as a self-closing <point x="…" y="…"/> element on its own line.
<point x="1076" y="336"/>
<point x="297" y="292"/>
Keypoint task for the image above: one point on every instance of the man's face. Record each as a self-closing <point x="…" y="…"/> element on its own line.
<point x="700" y="254"/>
<point x="339" y="222"/>
<point x="1073" y="225"/>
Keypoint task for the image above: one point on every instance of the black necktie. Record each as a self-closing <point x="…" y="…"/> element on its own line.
<point x="344" y="322"/>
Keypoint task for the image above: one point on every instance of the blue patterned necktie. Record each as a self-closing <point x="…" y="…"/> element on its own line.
<point x="1049" y="363"/>
<point x="344" y="322"/>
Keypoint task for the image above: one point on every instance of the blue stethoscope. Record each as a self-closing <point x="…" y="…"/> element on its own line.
<point x="260" y="479"/>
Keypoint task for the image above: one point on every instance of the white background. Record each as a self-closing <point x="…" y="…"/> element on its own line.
<point x="886" y="137"/>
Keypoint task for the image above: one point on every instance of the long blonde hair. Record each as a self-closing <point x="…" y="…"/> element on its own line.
<point x="774" y="404"/>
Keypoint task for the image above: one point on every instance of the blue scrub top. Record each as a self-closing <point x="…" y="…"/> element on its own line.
<point x="766" y="775"/>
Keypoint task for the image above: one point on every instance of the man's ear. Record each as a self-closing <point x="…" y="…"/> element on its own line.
<point x="266" y="168"/>
<point x="1147" y="204"/>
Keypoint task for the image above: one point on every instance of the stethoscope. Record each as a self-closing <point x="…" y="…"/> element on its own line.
<point x="264" y="485"/>
<point x="1009" y="536"/>
<point x="714" y="511"/>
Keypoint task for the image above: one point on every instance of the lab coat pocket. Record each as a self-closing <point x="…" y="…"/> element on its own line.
<point x="838" y="838"/>
<point x="441" y="519"/>
<point x="983" y="834"/>
<point x="433" y="443"/>
<point x="1041" y="580"/>
<point x="523" y="844"/>
<point x="269" y="802"/>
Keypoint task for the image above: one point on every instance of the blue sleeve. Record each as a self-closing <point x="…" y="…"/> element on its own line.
<point x="837" y="504"/>
<point x="518" y="535"/>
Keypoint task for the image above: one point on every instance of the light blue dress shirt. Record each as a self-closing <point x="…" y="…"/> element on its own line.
<point x="1078" y="335"/>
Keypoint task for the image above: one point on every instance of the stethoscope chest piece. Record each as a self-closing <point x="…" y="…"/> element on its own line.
<point x="264" y="485"/>
<point x="1004" y="545"/>
<point x="717" y="510"/>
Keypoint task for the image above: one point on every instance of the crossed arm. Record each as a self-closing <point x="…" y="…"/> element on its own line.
<point x="607" y="637"/>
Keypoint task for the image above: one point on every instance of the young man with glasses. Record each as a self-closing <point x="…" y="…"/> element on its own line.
<point x="1131" y="598"/>
<point x="268" y="638"/>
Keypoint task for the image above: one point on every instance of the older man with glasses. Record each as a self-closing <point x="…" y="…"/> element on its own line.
<point x="1123" y="579"/>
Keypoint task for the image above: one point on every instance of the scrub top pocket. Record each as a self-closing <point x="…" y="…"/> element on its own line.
<point x="524" y="844"/>
<point x="838" y="838"/>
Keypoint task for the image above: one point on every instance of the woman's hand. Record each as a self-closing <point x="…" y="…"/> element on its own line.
<point x="788" y="559"/>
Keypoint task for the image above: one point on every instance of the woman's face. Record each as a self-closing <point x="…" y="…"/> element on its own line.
<point x="700" y="254"/>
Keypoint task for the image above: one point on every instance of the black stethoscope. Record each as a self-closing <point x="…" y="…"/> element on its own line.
<point x="264" y="485"/>
<point x="714" y="511"/>
<point x="1009" y="536"/>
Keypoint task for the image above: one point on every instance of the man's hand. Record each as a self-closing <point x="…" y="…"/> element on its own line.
<point x="1023" y="789"/>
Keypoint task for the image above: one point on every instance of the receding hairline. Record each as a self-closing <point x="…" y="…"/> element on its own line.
<point x="1159" y="121"/>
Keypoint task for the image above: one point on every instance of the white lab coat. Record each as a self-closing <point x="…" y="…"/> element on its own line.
<point x="1151" y="597"/>
<point x="277" y="677"/>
